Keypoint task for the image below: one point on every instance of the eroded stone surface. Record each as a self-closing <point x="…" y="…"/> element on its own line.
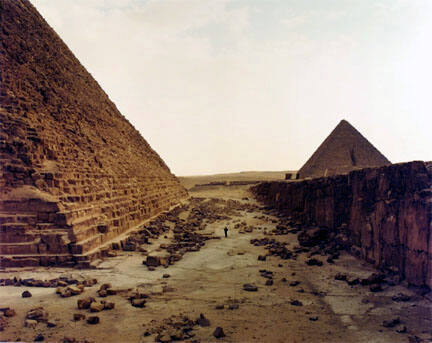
<point x="75" y="174"/>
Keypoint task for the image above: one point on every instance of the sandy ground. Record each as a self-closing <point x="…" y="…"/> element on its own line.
<point x="215" y="276"/>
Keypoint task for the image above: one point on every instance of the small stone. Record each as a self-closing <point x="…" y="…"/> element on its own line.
<point x="294" y="283"/>
<point x="296" y="303"/>
<point x="105" y="286"/>
<point x="219" y="307"/>
<point x="250" y="287"/>
<point x="51" y="324"/>
<point x="233" y="306"/>
<point x="391" y="323"/>
<point x="313" y="319"/>
<point x="314" y="262"/>
<point x="102" y="293"/>
<point x="284" y="279"/>
<point x="203" y="321"/>
<point x="138" y="302"/>
<point x="30" y="323"/>
<point x="269" y="282"/>
<point x="261" y="258"/>
<point x="340" y="277"/>
<point x="375" y="288"/>
<point x="9" y="312"/>
<point x="166" y="276"/>
<point x="74" y="290"/>
<point x="78" y="316"/>
<point x="109" y="306"/>
<point x="96" y="306"/>
<point x="401" y="297"/>
<point x="39" y="338"/>
<point x="26" y="294"/>
<point x="218" y="332"/>
<point x="84" y="304"/>
<point x="401" y="329"/>
<point x="93" y="320"/>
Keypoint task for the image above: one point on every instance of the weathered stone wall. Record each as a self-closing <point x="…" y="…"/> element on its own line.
<point x="74" y="173"/>
<point x="388" y="212"/>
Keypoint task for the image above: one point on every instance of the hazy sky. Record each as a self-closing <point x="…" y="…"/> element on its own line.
<point x="234" y="85"/>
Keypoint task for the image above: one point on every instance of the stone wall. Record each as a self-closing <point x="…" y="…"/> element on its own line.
<point x="387" y="212"/>
<point x="74" y="173"/>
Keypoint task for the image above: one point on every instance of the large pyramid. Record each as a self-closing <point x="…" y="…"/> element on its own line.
<point x="74" y="173"/>
<point x="345" y="149"/>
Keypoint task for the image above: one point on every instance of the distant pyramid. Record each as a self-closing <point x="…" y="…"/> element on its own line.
<point x="345" y="149"/>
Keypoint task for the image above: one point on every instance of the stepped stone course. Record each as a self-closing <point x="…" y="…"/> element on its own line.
<point x="344" y="150"/>
<point x="74" y="173"/>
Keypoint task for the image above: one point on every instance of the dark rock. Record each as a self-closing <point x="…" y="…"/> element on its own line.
<point x="138" y="302"/>
<point x="401" y="329"/>
<point x="166" y="276"/>
<point x="269" y="282"/>
<point x="340" y="277"/>
<point x="313" y="319"/>
<point x="314" y="262"/>
<point x="294" y="283"/>
<point x="202" y="321"/>
<point x="262" y="258"/>
<point x="391" y="323"/>
<point x="218" y="332"/>
<point x="250" y="287"/>
<point x="84" y="304"/>
<point x="78" y="316"/>
<point x="401" y="297"/>
<point x="219" y="307"/>
<point x="233" y="306"/>
<point x="26" y="294"/>
<point x="39" y="338"/>
<point x="93" y="320"/>
<point x="375" y="288"/>
<point x="296" y="303"/>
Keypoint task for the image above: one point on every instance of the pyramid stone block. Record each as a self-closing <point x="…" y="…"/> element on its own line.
<point x="70" y="163"/>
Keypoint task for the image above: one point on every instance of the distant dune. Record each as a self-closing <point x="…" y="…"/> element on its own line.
<point x="190" y="181"/>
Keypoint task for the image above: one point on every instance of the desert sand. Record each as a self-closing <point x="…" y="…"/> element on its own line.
<point x="301" y="303"/>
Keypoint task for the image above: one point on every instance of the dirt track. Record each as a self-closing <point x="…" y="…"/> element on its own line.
<point x="331" y="311"/>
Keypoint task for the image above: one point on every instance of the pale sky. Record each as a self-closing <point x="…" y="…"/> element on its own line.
<point x="235" y="85"/>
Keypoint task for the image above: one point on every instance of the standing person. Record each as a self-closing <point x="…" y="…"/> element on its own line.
<point x="226" y="232"/>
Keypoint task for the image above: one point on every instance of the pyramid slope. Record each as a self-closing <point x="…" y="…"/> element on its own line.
<point x="70" y="162"/>
<point x="345" y="149"/>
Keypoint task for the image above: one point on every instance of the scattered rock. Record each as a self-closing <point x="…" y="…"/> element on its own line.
<point x="296" y="303"/>
<point x="401" y="297"/>
<point x="375" y="288"/>
<point x="30" y="323"/>
<point x="202" y="321"/>
<point x="294" y="283"/>
<point x="93" y="320"/>
<point x="250" y="287"/>
<point x="166" y="276"/>
<point x="233" y="306"/>
<point x="313" y="319"/>
<point x="138" y="302"/>
<point x="78" y="316"/>
<point x="84" y="304"/>
<point x="26" y="294"/>
<point x="218" y="332"/>
<point x="401" y="329"/>
<point x="219" y="307"/>
<point x="391" y="323"/>
<point x="314" y="262"/>
<point x="39" y="338"/>
<point x="340" y="277"/>
<point x="96" y="306"/>
<point x="269" y="282"/>
<point x="262" y="258"/>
